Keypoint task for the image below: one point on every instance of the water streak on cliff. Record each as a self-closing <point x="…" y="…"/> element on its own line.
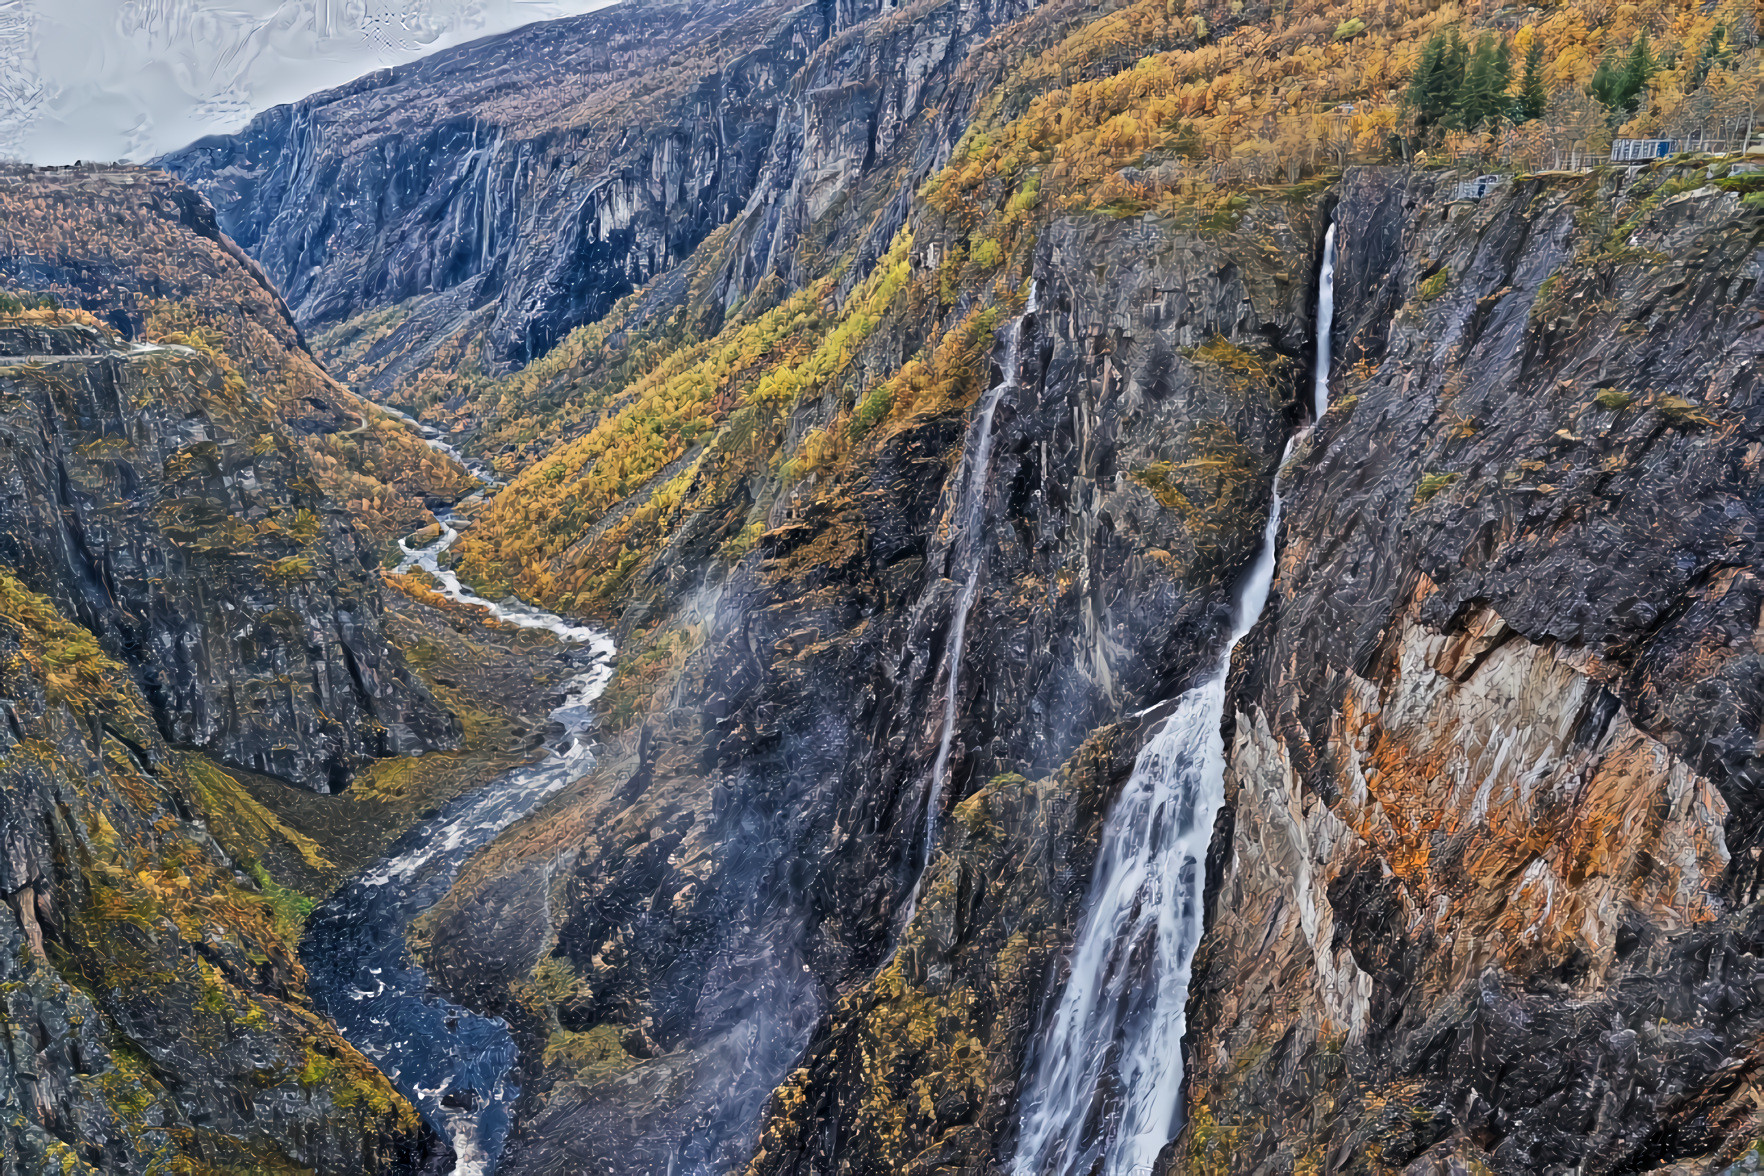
<point x="1325" y="323"/>
<point x="969" y="544"/>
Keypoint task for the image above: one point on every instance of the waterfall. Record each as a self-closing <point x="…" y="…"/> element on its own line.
<point x="1104" y="1087"/>
<point x="1325" y="322"/>
<point x="969" y="543"/>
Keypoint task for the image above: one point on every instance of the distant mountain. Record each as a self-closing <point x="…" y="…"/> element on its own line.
<point x="98" y="80"/>
<point x="467" y="211"/>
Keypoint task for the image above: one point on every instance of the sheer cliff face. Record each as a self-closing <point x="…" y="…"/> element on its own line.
<point x="1482" y="891"/>
<point x="173" y="580"/>
<point x="534" y="177"/>
<point x="177" y="593"/>
<point x="171" y="497"/>
<point x="1483" y="895"/>
<point x="480" y="204"/>
<point x="153" y="1008"/>
<point x="144" y="255"/>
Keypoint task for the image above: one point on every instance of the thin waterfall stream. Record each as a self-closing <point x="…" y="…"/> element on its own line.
<point x="969" y="549"/>
<point x="1115" y="1041"/>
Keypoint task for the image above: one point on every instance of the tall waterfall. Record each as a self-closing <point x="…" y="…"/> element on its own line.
<point x="969" y="543"/>
<point x="1325" y="321"/>
<point x="1106" y="1081"/>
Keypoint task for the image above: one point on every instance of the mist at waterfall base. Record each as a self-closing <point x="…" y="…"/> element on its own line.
<point x="452" y="1063"/>
<point x="1115" y="1041"/>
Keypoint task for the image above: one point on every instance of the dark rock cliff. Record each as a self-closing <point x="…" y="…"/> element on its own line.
<point x="531" y="178"/>
<point x="157" y="505"/>
<point x="143" y="254"/>
<point x="1483" y="893"/>
<point x="173" y="580"/>
<point x="1493" y="837"/>
<point x="153" y="1013"/>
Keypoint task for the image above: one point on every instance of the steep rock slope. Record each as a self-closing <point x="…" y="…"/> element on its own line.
<point x="166" y="581"/>
<point x="1485" y="895"/>
<point x="144" y="254"/>
<point x="154" y="1014"/>
<point x="540" y="174"/>
<point x="839" y="640"/>
<point x="147" y="494"/>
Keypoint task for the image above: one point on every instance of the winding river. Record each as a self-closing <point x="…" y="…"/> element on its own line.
<point x="453" y="1064"/>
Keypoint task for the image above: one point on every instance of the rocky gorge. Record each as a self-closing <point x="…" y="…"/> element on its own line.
<point x="1120" y="658"/>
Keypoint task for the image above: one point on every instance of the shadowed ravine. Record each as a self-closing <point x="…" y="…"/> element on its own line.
<point x="450" y="1062"/>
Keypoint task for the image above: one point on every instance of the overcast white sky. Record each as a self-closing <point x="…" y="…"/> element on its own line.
<point x="129" y="79"/>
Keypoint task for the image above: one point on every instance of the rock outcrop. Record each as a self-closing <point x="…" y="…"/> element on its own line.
<point x="173" y="580"/>
<point x="932" y="370"/>
<point x="177" y="593"/>
<point x="146" y="493"/>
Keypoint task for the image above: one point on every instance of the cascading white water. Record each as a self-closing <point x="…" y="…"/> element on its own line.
<point x="515" y="612"/>
<point x="1106" y="1082"/>
<point x="970" y="552"/>
<point x="1325" y="321"/>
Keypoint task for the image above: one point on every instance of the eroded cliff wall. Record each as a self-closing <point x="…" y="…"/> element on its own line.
<point x="1484" y="894"/>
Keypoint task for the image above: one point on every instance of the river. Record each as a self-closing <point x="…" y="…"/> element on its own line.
<point x="453" y="1064"/>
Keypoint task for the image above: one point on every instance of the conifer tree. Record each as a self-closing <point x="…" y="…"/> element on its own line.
<point x="1434" y="90"/>
<point x="1533" y="97"/>
<point x="1619" y="83"/>
<point x="1482" y="98"/>
<point x="1710" y="56"/>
